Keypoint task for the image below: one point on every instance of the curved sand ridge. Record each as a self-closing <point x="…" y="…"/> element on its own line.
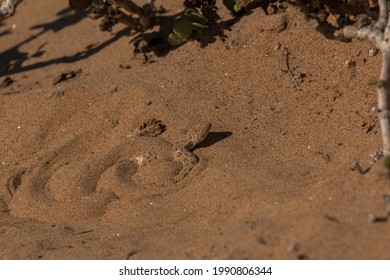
<point x="66" y="186"/>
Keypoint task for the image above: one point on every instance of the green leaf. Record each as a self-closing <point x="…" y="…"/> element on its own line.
<point x="174" y="40"/>
<point x="237" y="8"/>
<point x="198" y="25"/>
<point x="198" y="17"/>
<point x="386" y="162"/>
<point x="183" y="27"/>
<point x="229" y="4"/>
<point x="377" y="83"/>
<point x="191" y="23"/>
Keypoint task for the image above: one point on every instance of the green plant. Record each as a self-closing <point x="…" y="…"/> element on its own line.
<point x="233" y="6"/>
<point x="190" y="24"/>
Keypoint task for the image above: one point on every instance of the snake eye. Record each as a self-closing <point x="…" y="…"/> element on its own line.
<point x="80" y="4"/>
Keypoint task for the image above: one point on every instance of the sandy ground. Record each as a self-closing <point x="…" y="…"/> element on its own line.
<point x="273" y="181"/>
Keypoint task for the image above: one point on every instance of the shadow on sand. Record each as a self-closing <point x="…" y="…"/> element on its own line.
<point x="12" y="59"/>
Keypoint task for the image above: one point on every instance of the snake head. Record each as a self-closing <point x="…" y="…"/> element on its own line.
<point x="196" y="134"/>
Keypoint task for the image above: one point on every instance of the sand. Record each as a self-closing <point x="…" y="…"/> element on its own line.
<point x="273" y="179"/>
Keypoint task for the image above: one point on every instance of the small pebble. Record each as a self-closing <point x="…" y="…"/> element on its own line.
<point x="373" y="52"/>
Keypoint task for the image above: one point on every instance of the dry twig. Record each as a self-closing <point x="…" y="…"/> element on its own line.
<point x="379" y="35"/>
<point x="286" y="53"/>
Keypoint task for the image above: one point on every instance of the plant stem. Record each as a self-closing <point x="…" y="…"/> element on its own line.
<point x="131" y="7"/>
<point x="379" y="35"/>
<point x="383" y="91"/>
